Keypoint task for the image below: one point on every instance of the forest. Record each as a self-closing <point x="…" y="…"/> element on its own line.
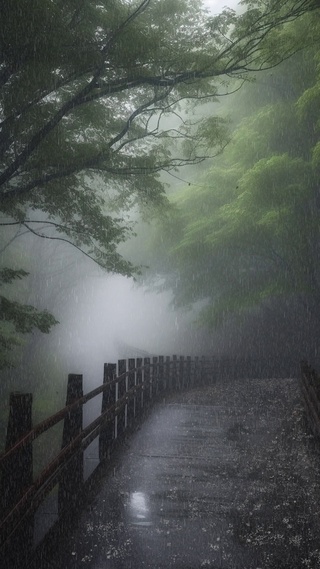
<point x="159" y="141"/>
<point x="243" y="235"/>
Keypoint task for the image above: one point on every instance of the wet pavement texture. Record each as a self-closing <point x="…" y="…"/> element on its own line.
<point x="219" y="477"/>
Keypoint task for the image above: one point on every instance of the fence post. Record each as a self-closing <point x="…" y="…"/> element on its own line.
<point x="168" y="384"/>
<point x="17" y="474"/>
<point x="196" y="370"/>
<point x="310" y="387"/>
<point x="72" y="477"/>
<point x="161" y="373"/>
<point x="188" y="371"/>
<point x="192" y="372"/>
<point x="121" y="419"/>
<point x="181" y="373"/>
<point x="132" y="396"/>
<point x="108" y="398"/>
<point x="139" y="384"/>
<point x="203" y="371"/>
<point x="155" y="378"/>
<point x="146" y="383"/>
<point x="174" y="373"/>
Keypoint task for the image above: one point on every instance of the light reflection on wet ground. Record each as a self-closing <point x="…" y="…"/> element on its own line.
<point x="139" y="511"/>
<point x="228" y="485"/>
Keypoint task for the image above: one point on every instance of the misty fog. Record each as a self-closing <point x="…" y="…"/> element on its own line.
<point x="159" y="196"/>
<point x="103" y="316"/>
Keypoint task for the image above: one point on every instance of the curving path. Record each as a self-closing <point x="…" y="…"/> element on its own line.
<point x="223" y="477"/>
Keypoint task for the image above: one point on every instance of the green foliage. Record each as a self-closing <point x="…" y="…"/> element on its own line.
<point x="90" y="113"/>
<point x="25" y="318"/>
<point x="316" y="156"/>
<point x="8" y="275"/>
<point x="250" y="231"/>
<point x="17" y="318"/>
<point x="83" y="91"/>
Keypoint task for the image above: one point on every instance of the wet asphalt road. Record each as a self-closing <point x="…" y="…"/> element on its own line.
<point x="221" y="477"/>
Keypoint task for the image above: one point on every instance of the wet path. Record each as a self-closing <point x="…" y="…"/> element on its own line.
<point x="221" y="477"/>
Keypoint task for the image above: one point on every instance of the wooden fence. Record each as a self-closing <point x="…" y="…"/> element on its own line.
<point x="310" y="389"/>
<point x="127" y="392"/>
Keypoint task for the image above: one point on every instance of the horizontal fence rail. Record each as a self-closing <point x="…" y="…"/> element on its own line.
<point x="128" y="390"/>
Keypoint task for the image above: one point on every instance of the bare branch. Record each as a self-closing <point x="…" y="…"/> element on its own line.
<point x="64" y="240"/>
<point x="17" y="234"/>
<point x="45" y="222"/>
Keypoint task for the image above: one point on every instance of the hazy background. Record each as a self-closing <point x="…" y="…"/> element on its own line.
<point x="102" y="317"/>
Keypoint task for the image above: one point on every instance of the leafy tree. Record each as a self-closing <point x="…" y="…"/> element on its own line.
<point x="18" y="318"/>
<point x="87" y="96"/>
<point x="249" y="232"/>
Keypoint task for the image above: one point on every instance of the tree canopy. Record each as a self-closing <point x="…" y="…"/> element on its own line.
<point x="249" y="231"/>
<point x="90" y="101"/>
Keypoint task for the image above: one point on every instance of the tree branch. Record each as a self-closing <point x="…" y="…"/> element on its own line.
<point x="76" y="100"/>
<point x="64" y="240"/>
<point x="91" y="91"/>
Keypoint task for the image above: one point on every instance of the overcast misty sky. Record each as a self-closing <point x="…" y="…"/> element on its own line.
<point x="216" y="6"/>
